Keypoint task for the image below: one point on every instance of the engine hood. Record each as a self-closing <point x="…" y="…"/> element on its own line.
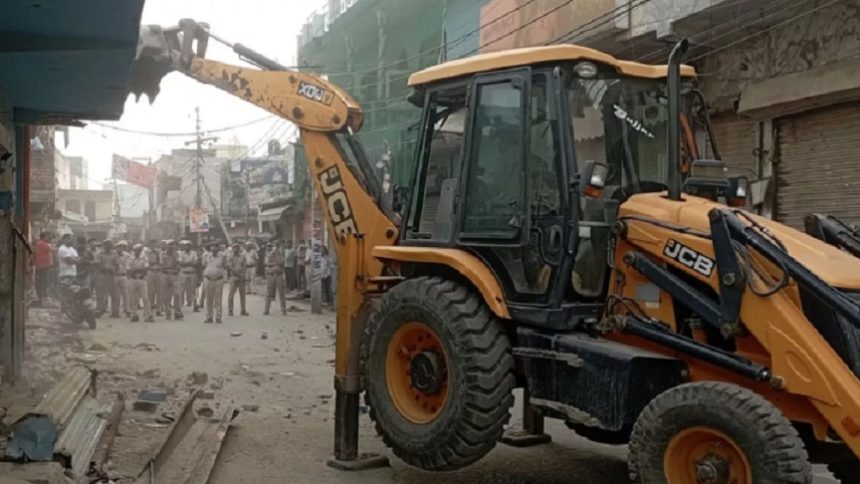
<point x="836" y="267"/>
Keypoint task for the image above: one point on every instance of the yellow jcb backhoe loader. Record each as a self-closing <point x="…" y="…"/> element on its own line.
<point x="550" y="239"/>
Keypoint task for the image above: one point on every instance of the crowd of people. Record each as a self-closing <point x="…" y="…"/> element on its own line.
<point x="161" y="278"/>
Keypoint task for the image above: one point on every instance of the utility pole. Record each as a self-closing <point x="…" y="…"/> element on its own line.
<point x="117" y="208"/>
<point x="198" y="165"/>
<point x="247" y="175"/>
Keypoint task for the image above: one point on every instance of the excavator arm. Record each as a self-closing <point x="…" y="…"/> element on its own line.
<point x="327" y="118"/>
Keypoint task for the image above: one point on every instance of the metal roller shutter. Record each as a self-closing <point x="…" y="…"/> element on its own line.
<point x="819" y="164"/>
<point x="737" y="143"/>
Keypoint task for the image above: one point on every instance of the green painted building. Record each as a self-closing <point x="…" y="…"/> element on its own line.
<point x="369" y="47"/>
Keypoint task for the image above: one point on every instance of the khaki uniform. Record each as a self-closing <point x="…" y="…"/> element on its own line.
<point x="171" y="292"/>
<point x="188" y="263"/>
<point x="214" y="271"/>
<point x="153" y="278"/>
<point x="250" y="257"/>
<point x="236" y="270"/>
<point x="138" y="269"/>
<point x="275" y="279"/>
<point x="106" y="267"/>
<point x="122" y="281"/>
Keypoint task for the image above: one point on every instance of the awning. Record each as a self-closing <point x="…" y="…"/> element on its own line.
<point x="63" y="60"/>
<point x="272" y="214"/>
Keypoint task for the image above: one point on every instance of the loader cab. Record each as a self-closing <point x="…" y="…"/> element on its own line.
<point x="500" y="161"/>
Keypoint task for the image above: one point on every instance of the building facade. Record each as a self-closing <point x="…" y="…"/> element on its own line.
<point x="780" y="77"/>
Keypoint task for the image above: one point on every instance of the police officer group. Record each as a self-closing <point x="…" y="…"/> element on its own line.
<point x="161" y="278"/>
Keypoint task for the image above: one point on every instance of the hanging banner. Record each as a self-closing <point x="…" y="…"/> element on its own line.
<point x="133" y="172"/>
<point x="198" y="220"/>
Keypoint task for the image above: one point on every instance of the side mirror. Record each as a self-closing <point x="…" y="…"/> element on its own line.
<point x="739" y="191"/>
<point x="400" y="198"/>
<point x="594" y="175"/>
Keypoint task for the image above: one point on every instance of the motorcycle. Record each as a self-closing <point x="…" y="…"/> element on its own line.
<point x="76" y="302"/>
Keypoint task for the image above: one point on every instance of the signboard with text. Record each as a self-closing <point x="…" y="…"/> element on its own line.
<point x="198" y="220"/>
<point x="133" y="172"/>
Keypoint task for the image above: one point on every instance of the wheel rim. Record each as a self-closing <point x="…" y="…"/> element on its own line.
<point x="416" y="373"/>
<point x="705" y="456"/>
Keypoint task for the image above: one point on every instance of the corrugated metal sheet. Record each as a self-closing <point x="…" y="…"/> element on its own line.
<point x="736" y="141"/>
<point x="81" y="436"/>
<point x="33" y="436"/>
<point x="819" y="157"/>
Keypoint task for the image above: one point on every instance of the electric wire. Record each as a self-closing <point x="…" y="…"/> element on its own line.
<point x="183" y="135"/>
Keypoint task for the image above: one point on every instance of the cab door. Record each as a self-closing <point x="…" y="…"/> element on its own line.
<point x="512" y="208"/>
<point x="493" y="208"/>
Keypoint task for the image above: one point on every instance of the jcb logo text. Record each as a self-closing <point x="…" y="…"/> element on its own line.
<point x="337" y="203"/>
<point x="700" y="263"/>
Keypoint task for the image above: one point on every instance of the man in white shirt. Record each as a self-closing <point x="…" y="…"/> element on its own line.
<point x="68" y="259"/>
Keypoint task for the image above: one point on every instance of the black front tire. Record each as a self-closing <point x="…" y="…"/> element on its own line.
<point x="480" y="372"/>
<point x="771" y="445"/>
<point x="847" y="472"/>
<point x="91" y="320"/>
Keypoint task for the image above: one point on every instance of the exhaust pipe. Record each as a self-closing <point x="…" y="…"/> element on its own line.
<point x="674" y="135"/>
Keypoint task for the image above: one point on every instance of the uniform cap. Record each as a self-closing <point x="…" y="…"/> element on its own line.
<point x="122" y="243"/>
<point x="138" y="247"/>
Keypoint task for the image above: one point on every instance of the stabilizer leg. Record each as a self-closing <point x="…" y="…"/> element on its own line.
<point x="532" y="432"/>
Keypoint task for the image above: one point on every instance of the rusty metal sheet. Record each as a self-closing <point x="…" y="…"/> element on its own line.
<point x="78" y="441"/>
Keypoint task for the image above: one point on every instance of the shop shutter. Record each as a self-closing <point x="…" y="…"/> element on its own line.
<point x="819" y="164"/>
<point x="737" y="142"/>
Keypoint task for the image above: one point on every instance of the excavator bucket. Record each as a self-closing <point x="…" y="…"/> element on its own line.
<point x="153" y="61"/>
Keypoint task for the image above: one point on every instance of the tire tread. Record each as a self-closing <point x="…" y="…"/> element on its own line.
<point x="487" y="364"/>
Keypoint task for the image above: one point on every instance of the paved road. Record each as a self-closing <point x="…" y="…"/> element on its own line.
<point x="284" y="365"/>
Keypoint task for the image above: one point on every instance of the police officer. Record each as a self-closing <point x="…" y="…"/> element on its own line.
<point x="236" y="271"/>
<point x="153" y="278"/>
<point x="122" y="276"/>
<point x="138" y="271"/>
<point x="188" y="263"/>
<point x="107" y="264"/>
<point x="275" y="277"/>
<point x="214" y="271"/>
<point x="171" y="292"/>
<point x="250" y="255"/>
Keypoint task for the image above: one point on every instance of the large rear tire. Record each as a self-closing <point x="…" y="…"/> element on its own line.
<point x="715" y="433"/>
<point x="438" y="373"/>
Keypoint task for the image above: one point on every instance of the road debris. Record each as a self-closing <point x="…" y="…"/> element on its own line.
<point x="102" y="455"/>
<point x="236" y="334"/>
<point x="206" y="412"/>
<point x="190" y="450"/>
<point x="198" y="378"/>
<point x="33" y="436"/>
<point x="66" y="426"/>
<point x="152" y="396"/>
<point x="145" y="406"/>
